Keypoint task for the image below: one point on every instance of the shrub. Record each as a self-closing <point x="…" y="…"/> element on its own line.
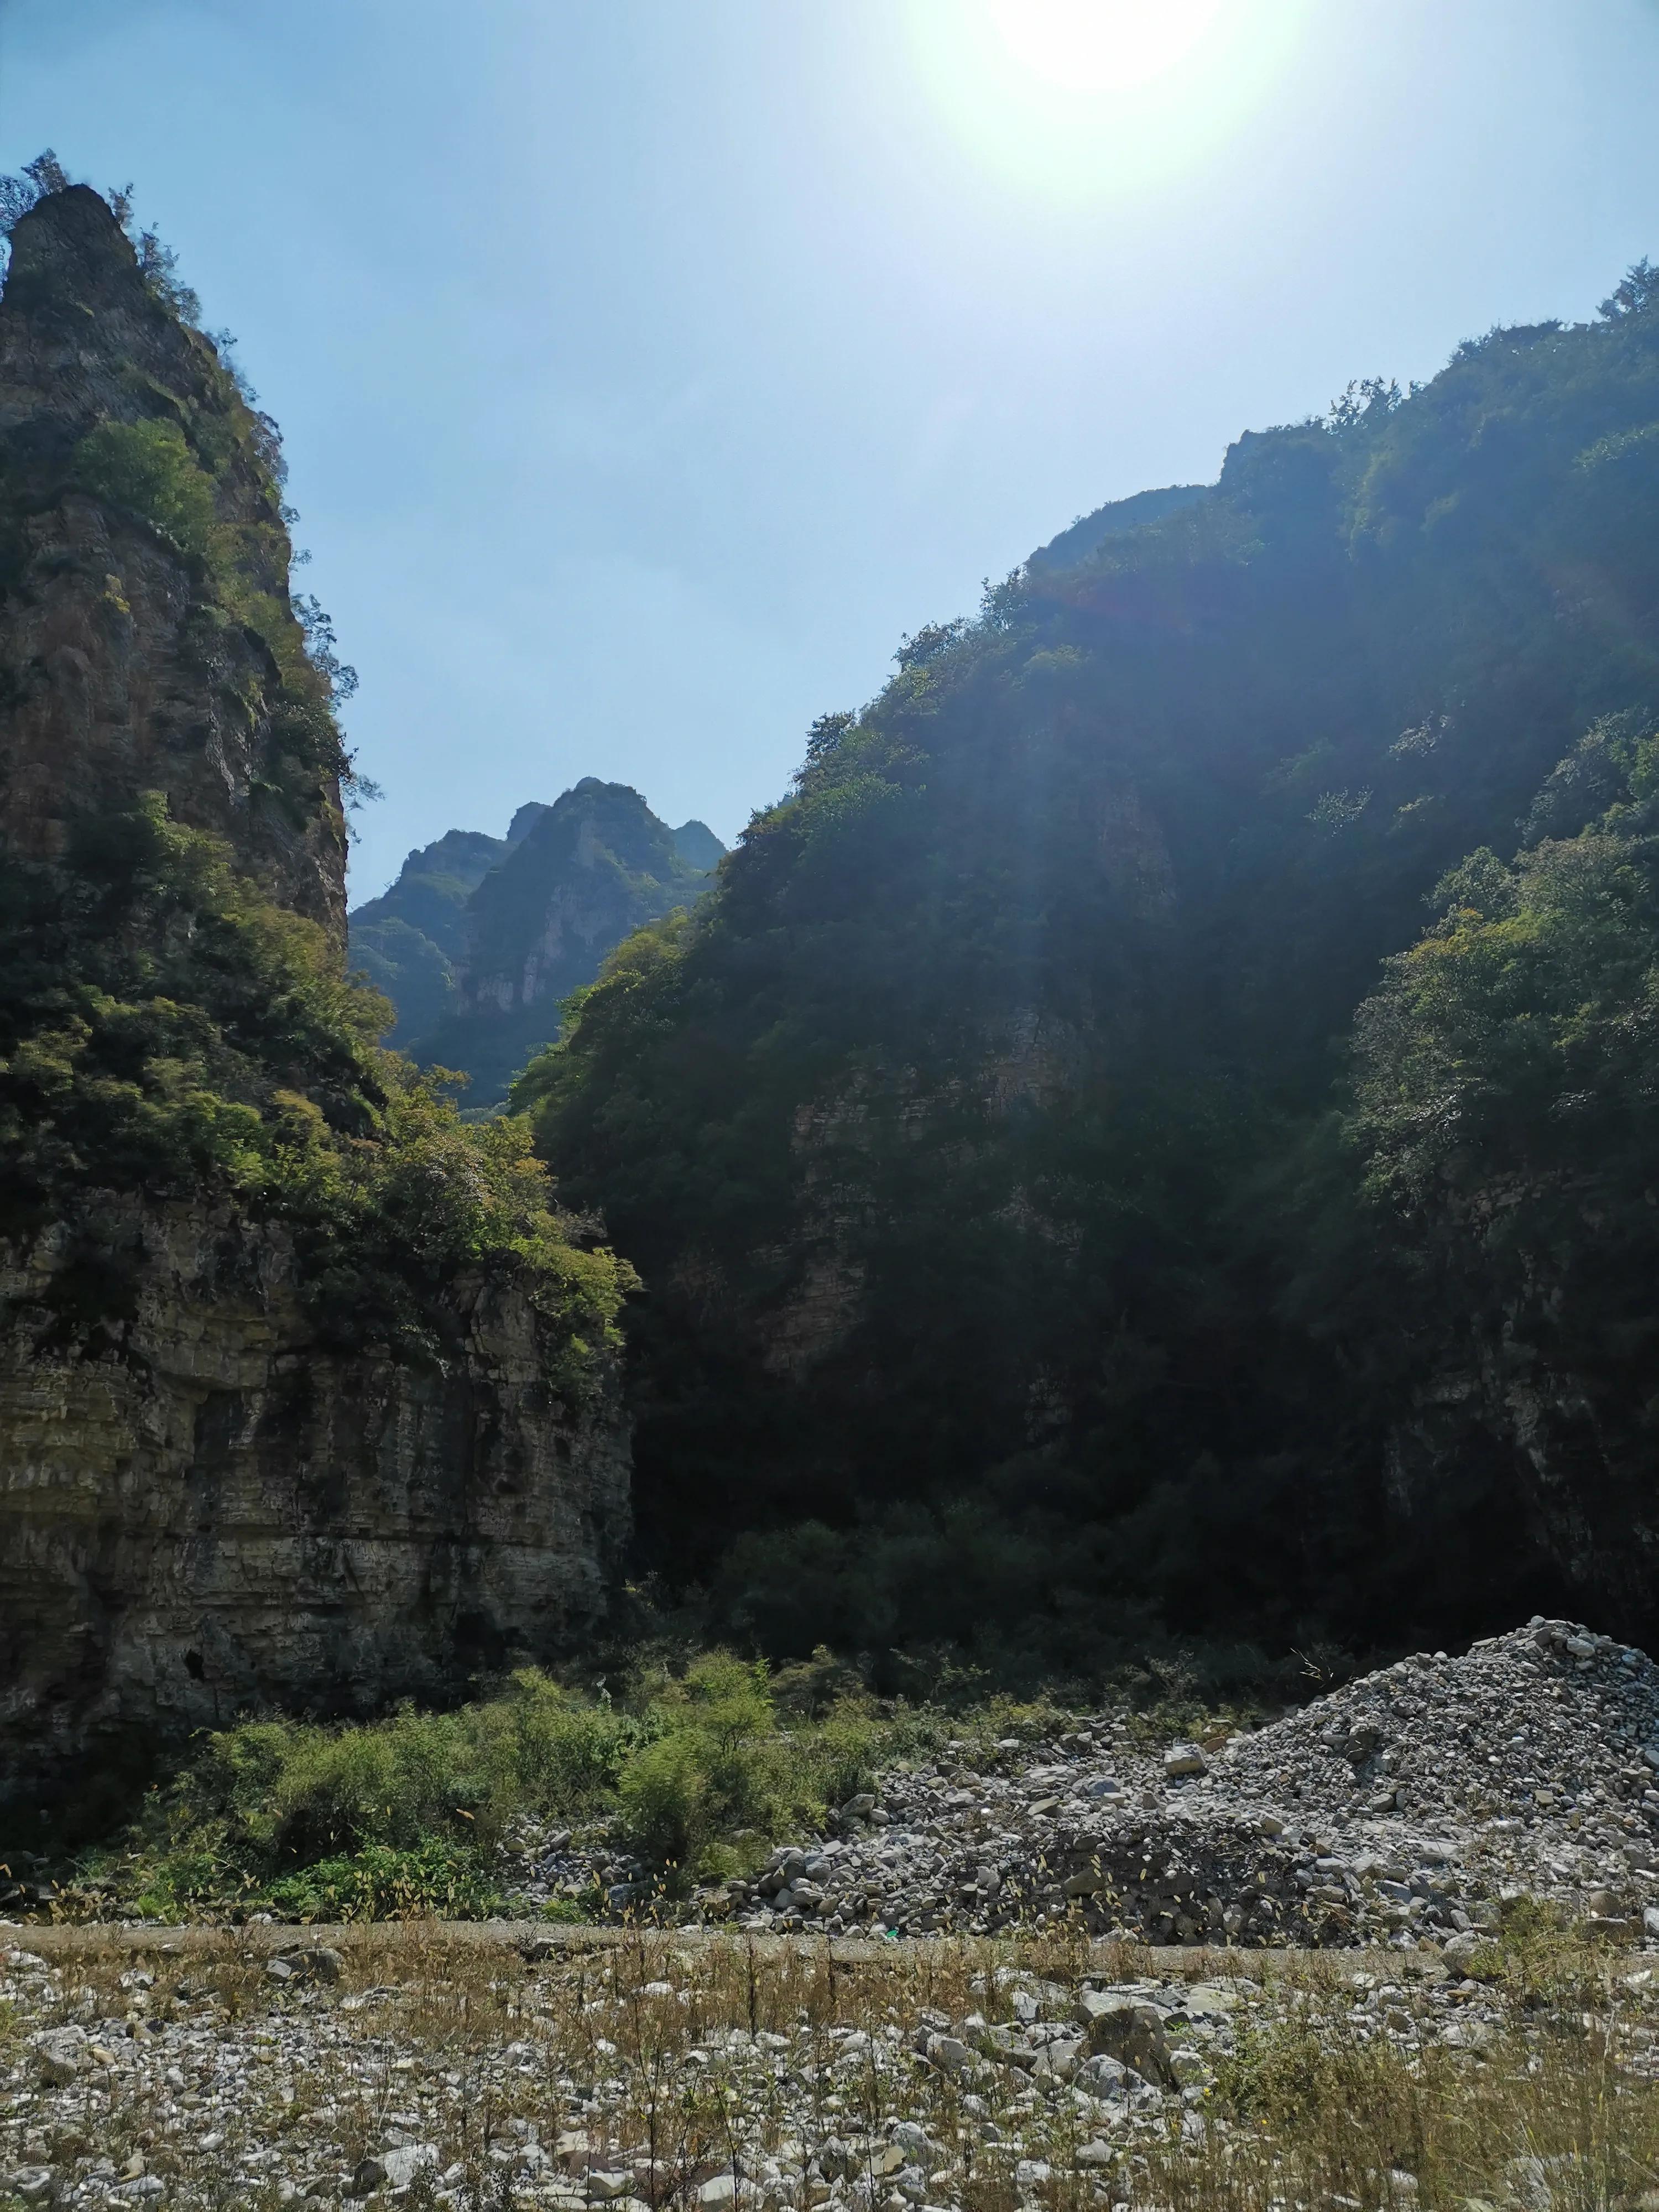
<point x="289" y="1791"/>
<point x="719" y="1767"/>
<point x="147" y="468"/>
<point x="381" y="1883"/>
<point x="554" y="1752"/>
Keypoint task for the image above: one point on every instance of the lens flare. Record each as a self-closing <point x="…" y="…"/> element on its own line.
<point x="1101" y="46"/>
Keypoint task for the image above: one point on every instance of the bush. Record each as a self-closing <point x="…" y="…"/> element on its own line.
<point x="285" y="1793"/>
<point x="164" y="1028"/>
<point x="558" y="1752"/>
<point x="362" y="1818"/>
<point x="380" y="1883"/>
<point x="147" y="468"/>
<point x="720" y="1766"/>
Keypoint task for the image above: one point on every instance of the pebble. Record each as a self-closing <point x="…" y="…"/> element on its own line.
<point x="1110" y="2067"/>
<point x="1404" y="1807"/>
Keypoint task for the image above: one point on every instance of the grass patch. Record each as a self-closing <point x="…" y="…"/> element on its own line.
<point x="696" y="1767"/>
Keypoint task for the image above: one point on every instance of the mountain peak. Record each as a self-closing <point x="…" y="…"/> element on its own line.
<point x="154" y="518"/>
<point x="524" y="821"/>
<point x="697" y="845"/>
<point x="480" y="938"/>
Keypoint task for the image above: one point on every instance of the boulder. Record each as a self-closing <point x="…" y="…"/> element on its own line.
<point x="1126" y="2028"/>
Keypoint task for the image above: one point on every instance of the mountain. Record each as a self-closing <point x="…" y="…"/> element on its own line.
<point x="1089" y="532"/>
<point x="407" y="941"/>
<point x="1156" y="1134"/>
<point x="308" y="1393"/>
<point x="480" y="938"/>
<point x="698" y="846"/>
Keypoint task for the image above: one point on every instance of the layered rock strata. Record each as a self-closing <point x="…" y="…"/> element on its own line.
<point x="212" y="1502"/>
<point x="204" y="1511"/>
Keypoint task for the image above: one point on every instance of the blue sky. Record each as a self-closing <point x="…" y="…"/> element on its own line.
<point x="648" y="367"/>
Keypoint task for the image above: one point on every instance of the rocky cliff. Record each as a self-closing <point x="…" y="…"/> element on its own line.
<point x="407" y="941"/>
<point x="206" y="1510"/>
<point x="308" y="1394"/>
<point x="1085" y="1192"/>
<point x="146" y="631"/>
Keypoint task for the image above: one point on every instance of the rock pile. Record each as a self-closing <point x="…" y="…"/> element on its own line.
<point x="1406" y="1805"/>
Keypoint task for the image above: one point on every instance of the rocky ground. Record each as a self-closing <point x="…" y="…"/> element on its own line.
<point x="1407" y="2054"/>
<point x="1405" y="1805"/>
<point x="967" y="2077"/>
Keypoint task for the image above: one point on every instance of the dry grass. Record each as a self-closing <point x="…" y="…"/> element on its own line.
<point x="1320" y="2101"/>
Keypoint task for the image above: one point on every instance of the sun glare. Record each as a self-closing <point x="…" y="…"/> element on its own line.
<point x="1101" y="46"/>
<point x="1092" y="102"/>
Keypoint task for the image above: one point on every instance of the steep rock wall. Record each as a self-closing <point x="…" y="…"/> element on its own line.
<point x="121" y="672"/>
<point x="593" y="867"/>
<point x="210" y="1501"/>
<point x="202" y="1509"/>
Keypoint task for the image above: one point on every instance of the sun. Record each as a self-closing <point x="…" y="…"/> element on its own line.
<point x="1101" y="46"/>
<point x="1092" y="103"/>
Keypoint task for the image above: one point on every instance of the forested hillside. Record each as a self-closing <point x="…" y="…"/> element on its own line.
<point x="1158" y="1126"/>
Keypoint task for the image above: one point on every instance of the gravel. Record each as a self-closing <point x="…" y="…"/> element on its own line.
<point x="538" y="2088"/>
<point x="1406" y="1807"/>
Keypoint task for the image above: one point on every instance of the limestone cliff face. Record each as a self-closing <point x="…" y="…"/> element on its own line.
<point x="210" y="1502"/>
<point x="123" y="670"/>
<point x="204" y="1511"/>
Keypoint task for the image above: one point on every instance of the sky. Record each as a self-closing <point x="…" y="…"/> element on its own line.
<point x="648" y="368"/>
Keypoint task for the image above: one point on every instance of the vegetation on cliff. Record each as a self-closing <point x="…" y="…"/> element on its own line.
<point x="1073" y="1190"/>
<point x="168" y="1023"/>
<point x="164" y="1028"/>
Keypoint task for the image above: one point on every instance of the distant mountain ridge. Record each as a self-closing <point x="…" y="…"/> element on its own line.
<point x="480" y="937"/>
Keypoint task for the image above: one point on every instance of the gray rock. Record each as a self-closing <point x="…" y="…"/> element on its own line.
<point x="913" y="2140"/>
<point x="403" y="2163"/>
<point x="1126" y="2027"/>
<point x="62" y="2054"/>
<point x="604" y="2183"/>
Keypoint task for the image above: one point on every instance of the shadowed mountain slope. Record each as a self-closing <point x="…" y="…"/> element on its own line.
<point x="1158" y="1126"/>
